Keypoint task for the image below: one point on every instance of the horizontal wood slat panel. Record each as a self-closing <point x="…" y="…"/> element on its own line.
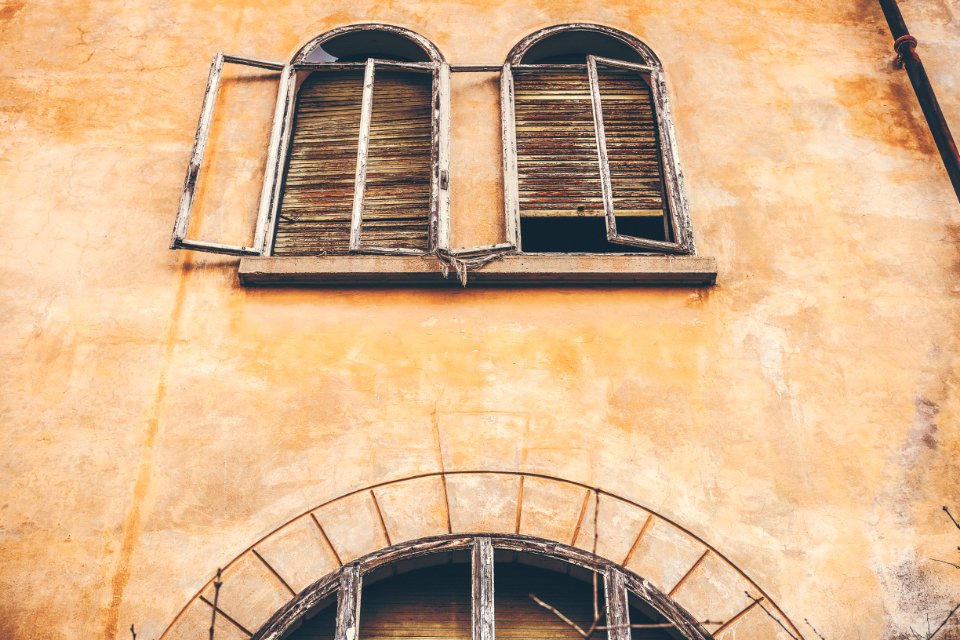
<point x="633" y="148"/>
<point x="317" y="202"/>
<point x="520" y="618"/>
<point x="429" y="603"/>
<point x="557" y="161"/>
<point x="396" y="211"/>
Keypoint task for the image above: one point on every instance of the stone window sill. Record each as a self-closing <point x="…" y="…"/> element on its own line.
<point x="515" y="269"/>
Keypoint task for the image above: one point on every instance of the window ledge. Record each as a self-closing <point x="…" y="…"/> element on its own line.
<point x="529" y="268"/>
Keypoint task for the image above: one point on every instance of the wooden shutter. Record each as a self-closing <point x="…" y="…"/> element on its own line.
<point x="180" y="227"/>
<point x="359" y="172"/>
<point x="318" y="188"/>
<point x="557" y="170"/>
<point x="588" y="145"/>
<point x="395" y="160"/>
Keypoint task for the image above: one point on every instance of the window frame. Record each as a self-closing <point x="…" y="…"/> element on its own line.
<point x="347" y="583"/>
<point x="674" y="192"/>
<point x="184" y="211"/>
<point x="438" y="224"/>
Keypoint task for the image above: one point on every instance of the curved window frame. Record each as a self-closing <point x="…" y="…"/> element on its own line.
<point x="650" y="67"/>
<point x="346" y="583"/>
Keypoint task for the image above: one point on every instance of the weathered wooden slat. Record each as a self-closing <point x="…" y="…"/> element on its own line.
<point x="398" y="199"/>
<point x="318" y="191"/>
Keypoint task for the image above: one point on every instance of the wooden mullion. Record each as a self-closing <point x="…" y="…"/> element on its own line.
<point x="359" y="185"/>
<point x="474" y="68"/>
<point x="548" y="67"/>
<point x="606" y="186"/>
<point x="254" y="62"/>
<point x="623" y="64"/>
<point x="482" y="605"/>
<point x="216" y="247"/>
<point x="348" y="603"/>
<point x="618" y="608"/>
<point x="508" y="134"/>
<point x="289" y="93"/>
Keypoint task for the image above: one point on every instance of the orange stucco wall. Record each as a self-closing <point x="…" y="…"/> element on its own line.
<point x="800" y="416"/>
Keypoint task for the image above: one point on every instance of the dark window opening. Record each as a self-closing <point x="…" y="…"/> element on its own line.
<point x="565" y="587"/>
<point x="357" y="46"/>
<point x="320" y="623"/>
<point x="587" y="235"/>
<point x="574" y="45"/>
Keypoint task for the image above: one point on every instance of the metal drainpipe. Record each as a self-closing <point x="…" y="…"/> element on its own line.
<point x="906" y="47"/>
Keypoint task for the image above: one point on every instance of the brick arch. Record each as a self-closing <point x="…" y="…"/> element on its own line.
<point x="268" y="575"/>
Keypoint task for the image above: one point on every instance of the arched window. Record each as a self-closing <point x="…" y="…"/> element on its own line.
<point x="481" y="588"/>
<point x="595" y="164"/>
<point x="354" y="161"/>
<point x="359" y="175"/>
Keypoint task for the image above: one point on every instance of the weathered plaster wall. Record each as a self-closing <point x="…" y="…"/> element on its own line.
<point x="801" y="416"/>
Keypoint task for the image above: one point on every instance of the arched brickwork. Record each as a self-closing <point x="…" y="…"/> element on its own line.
<point x="317" y="543"/>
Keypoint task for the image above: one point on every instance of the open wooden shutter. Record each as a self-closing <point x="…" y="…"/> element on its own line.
<point x="628" y="144"/>
<point x="182" y="223"/>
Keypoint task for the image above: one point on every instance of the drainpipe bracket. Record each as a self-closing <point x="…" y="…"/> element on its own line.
<point x="908" y="42"/>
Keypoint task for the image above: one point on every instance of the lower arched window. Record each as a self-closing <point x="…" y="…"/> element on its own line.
<point x="481" y="588"/>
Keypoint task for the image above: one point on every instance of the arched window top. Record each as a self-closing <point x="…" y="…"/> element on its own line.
<point x="449" y="584"/>
<point x="356" y="43"/>
<point x="572" y="43"/>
